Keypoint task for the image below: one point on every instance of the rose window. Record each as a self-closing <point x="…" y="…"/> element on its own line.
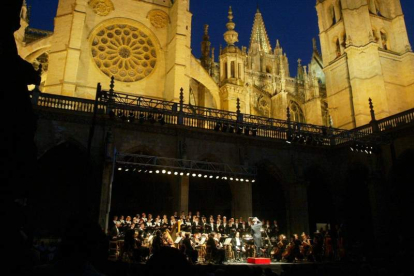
<point x="124" y="51"/>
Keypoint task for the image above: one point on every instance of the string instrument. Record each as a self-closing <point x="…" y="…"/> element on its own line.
<point x="288" y="250"/>
<point x="278" y="248"/>
<point x="167" y="239"/>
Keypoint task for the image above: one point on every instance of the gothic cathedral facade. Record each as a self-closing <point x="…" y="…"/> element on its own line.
<point x="146" y="46"/>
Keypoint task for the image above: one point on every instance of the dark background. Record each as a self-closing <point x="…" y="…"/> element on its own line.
<point x="294" y="23"/>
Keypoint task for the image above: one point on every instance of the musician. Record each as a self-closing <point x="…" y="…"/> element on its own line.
<point x="175" y="216"/>
<point x="237" y="224"/>
<point x="115" y="231"/>
<point x="244" y="229"/>
<point x="238" y="246"/>
<point x="296" y="249"/>
<point x="211" y="227"/>
<point x="172" y="222"/>
<point x="157" y="242"/>
<point x="219" y="226"/>
<point x="150" y="219"/>
<point x="157" y="224"/>
<point x="282" y="242"/>
<point x="204" y="224"/>
<point x="144" y="217"/>
<point x="196" y="227"/>
<point x="114" y="221"/>
<point x="198" y="214"/>
<point x="256" y="226"/>
<point x="128" y="220"/>
<point x="191" y="253"/>
<point x="217" y="253"/>
<point x="232" y="227"/>
<point x="141" y="231"/>
<point x="306" y="247"/>
<point x="225" y="226"/>
<point x="122" y="220"/>
<point x="268" y="227"/>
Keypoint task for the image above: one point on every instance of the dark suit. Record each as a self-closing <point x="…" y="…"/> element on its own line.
<point x="189" y="250"/>
<point x="257" y="236"/>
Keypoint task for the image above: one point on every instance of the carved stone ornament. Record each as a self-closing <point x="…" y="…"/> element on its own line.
<point x="125" y="51"/>
<point x="102" y="7"/>
<point x="158" y="18"/>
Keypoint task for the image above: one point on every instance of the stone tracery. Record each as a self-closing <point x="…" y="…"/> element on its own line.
<point x="124" y="51"/>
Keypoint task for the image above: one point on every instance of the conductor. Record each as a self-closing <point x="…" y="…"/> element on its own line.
<point x="256" y="226"/>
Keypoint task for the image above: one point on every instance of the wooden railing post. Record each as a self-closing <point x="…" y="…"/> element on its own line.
<point x="289" y="127"/>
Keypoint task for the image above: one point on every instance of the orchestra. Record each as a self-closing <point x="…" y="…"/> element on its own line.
<point x="217" y="240"/>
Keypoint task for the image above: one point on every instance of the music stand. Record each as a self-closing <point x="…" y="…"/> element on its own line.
<point x="227" y="241"/>
<point x="177" y="240"/>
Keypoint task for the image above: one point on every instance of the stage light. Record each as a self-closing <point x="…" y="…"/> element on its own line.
<point x="145" y="171"/>
<point x="139" y="171"/>
<point x="150" y="171"/>
<point x="217" y="177"/>
<point x="200" y="175"/>
<point x="181" y="173"/>
<point x="161" y="119"/>
<point x="217" y="126"/>
<point x="163" y="171"/>
<point x="194" y="175"/>
<point x="175" y="173"/>
<point x="120" y="169"/>
<point x="211" y="176"/>
<point x="141" y="118"/>
<point x="205" y="176"/>
<point x="168" y="172"/>
<point x="127" y="169"/>
<point x="134" y="169"/>
<point x="157" y="171"/>
<point x="231" y="178"/>
<point x="253" y="181"/>
<point x="237" y="179"/>
<point x="241" y="179"/>
<point x="188" y="174"/>
<point x="247" y="180"/>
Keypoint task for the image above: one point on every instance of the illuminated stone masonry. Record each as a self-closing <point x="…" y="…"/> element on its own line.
<point x="124" y="51"/>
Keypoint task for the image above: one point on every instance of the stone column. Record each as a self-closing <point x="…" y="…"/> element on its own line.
<point x="180" y="189"/>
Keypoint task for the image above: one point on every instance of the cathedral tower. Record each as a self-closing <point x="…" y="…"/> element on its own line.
<point x="232" y="75"/>
<point x="366" y="54"/>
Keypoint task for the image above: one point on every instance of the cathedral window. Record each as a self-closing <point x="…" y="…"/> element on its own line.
<point x="225" y="71"/>
<point x="124" y="51"/>
<point x="296" y="113"/>
<point x="233" y="69"/>
<point x="331" y="12"/>
<point x="240" y="70"/>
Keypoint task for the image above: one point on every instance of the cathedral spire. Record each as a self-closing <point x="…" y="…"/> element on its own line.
<point x="231" y="36"/>
<point x="259" y="34"/>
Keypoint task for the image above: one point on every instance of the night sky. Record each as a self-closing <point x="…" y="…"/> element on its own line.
<point x="294" y="23"/>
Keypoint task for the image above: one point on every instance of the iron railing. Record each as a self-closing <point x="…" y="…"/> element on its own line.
<point x="142" y="109"/>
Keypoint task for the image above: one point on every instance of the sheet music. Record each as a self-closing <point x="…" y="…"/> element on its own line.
<point x="178" y="240"/>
